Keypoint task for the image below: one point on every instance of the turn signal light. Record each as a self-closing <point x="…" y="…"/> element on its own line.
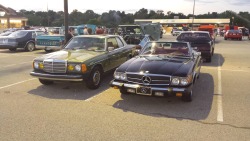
<point x="179" y="94"/>
<point x="84" y="68"/>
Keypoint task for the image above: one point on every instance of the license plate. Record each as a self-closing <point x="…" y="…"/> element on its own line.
<point x="144" y="91"/>
<point x="234" y="34"/>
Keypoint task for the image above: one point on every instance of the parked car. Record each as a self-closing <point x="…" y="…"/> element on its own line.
<point x="233" y="34"/>
<point x="20" y="39"/>
<point x="177" y="32"/>
<point x="162" y="69"/>
<point x="136" y="31"/>
<point x="85" y="58"/>
<point x="200" y="41"/>
<point x="56" y="42"/>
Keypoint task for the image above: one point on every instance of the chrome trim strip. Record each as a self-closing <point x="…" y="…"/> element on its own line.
<point x="152" y="88"/>
<point x="57" y="77"/>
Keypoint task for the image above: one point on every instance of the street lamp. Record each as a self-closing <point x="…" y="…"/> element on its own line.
<point x="193" y="16"/>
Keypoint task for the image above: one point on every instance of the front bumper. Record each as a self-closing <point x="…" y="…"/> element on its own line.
<point x="155" y="91"/>
<point x="58" y="77"/>
<point x="49" y="47"/>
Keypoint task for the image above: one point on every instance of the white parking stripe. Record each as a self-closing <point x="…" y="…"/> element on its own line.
<point x="89" y="99"/>
<point x="17" y="83"/>
<point x="233" y="70"/>
<point x="16" y="64"/>
<point x="219" y="95"/>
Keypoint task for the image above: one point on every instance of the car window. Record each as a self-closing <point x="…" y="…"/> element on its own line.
<point x="167" y="48"/>
<point x="20" y="33"/>
<point x="88" y="43"/>
<point x="193" y="36"/>
<point x="112" y="42"/>
<point x="120" y="43"/>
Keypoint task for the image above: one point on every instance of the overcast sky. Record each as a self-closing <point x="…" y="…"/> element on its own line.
<point x="130" y="6"/>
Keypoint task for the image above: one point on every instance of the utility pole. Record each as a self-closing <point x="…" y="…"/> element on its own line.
<point x="66" y="19"/>
<point x="193" y="16"/>
<point x="48" y="13"/>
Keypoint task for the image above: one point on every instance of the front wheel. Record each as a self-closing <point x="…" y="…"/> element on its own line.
<point x="187" y="97"/>
<point x="95" y="78"/>
<point x="46" y="82"/>
<point x="30" y="47"/>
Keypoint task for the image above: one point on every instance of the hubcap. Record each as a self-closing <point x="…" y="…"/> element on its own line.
<point x="96" y="77"/>
<point x="30" y="47"/>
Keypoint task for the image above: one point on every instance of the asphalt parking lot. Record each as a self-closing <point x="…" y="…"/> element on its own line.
<point x="69" y="111"/>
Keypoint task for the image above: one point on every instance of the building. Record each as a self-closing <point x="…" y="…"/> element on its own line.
<point x="168" y="24"/>
<point x="10" y="19"/>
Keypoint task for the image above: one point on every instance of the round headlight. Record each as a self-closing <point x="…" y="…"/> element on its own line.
<point x="123" y="76"/>
<point x="77" y="67"/>
<point x="184" y="81"/>
<point x="36" y="65"/>
<point x="175" y="81"/>
<point x="117" y="75"/>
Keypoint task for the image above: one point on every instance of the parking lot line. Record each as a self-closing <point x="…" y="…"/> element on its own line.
<point x="219" y="95"/>
<point x="17" y="83"/>
<point x="16" y="64"/>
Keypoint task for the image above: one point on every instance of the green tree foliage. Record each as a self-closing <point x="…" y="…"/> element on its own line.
<point x="114" y="18"/>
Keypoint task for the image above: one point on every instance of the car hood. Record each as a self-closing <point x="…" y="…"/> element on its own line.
<point x="71" y="55"/>
<point x="154" y="65"/>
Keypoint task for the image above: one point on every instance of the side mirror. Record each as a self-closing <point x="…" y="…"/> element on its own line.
<point x="111" y="48"/>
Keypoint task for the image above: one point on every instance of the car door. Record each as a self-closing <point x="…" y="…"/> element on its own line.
<point x="113" y="55"/>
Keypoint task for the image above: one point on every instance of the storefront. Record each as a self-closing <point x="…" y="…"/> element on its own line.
<point x="168" y="24"/>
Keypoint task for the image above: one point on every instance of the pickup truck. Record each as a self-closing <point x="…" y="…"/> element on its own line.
<point x="57" y="41"/>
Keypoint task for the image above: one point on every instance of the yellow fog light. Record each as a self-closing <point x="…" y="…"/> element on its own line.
<point x="179" y="94"/>
<point x="41" y="65"/>
<point x="84" y="68"/>
<point x="70" y="68"/>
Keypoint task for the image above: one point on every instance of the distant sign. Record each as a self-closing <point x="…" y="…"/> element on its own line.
<point x="176" y="17"/>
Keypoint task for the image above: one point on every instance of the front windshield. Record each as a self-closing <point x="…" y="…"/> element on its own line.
<point x="166" y="48"/>
<point x="87" y="43"/>
<point x="19" y="33"/>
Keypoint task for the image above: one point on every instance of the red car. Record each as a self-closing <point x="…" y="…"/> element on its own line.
<point x="233" y="34"/>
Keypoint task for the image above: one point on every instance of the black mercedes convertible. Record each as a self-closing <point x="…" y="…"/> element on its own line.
<point x="161" y="69"/>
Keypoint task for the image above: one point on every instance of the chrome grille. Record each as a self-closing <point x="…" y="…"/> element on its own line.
<point x="155" y="79"/>
<point x="55" y="66"/>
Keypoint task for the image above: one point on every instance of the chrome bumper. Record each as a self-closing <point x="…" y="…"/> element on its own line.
<point x="135" y="86"/>
<point x="59" y="77"/>
<point x="49" y="47"/>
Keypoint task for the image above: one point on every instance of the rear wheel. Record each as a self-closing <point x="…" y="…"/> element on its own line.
<point x="95" y="78"/>
<point x="225" y="38"/>
<point x="12" y="49"/>
<point x="46" y="82"/>
<point x="30" y="46"/>
<point x="240" y="39"/>
<point x="187" y="97"/>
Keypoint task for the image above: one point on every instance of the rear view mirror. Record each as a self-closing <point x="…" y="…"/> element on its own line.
<point x="111" y="48"/>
